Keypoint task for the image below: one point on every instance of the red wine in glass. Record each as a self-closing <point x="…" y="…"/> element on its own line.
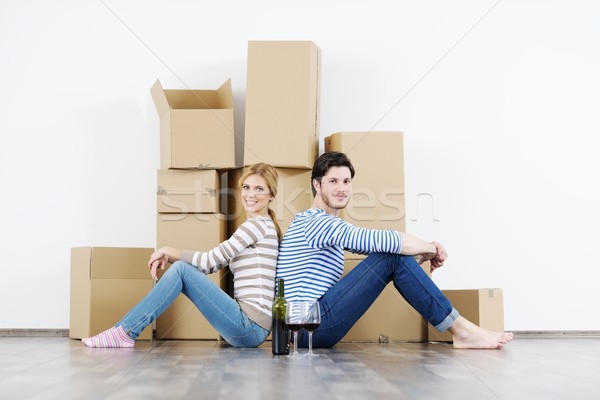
<point x="295" y="327"/>
<point x="311" y="327"/>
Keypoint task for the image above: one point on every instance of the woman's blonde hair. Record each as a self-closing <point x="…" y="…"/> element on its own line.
<point x="270" y="176"/>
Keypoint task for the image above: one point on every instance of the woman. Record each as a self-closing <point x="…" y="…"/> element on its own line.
<point x="251" y="254"/>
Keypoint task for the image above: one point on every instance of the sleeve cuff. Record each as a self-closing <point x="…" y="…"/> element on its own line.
<point x="187" y="256"/>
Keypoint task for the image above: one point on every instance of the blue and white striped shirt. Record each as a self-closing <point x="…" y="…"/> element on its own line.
<point x="311" y="254"/>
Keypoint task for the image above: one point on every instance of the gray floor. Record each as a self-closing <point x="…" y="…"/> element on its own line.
<point x="60" y="368"/>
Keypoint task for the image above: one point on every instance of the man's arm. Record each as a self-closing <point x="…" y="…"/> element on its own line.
<point x="413" y="246"/>
<point x="433" y="252"/>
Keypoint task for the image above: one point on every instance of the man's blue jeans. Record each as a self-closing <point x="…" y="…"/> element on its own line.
<point x="352" y="296"/>
<point x="220" y="310"/>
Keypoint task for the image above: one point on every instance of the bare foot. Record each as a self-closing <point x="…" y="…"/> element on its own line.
<point x="467" y="335"/>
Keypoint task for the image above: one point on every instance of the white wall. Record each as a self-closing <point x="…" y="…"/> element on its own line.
<point x="498" y="101"/>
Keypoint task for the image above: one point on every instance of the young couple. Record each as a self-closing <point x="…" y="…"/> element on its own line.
<point x="310" y="258"/>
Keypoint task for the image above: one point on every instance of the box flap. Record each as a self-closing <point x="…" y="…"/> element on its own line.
<point x="160" y="98"/>
<point x="225" y="95"/>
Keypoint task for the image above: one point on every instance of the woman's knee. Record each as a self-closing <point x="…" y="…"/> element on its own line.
<point x="179" y="268"/>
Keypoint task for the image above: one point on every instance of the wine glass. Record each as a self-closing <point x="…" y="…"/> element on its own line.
<point x="311" y="323"/>
<point x="294" y="319"/>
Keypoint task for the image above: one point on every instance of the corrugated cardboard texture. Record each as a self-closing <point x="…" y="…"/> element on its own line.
<point x="282" y="103"/>
<point x="390" y="316"/>
<point x="182" y="320"/>
<point x="106" y="282"/>
<point x="187" y="191"/>
<point x="483" y="307"/>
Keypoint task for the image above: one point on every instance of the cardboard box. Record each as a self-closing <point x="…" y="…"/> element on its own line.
<point x="293" y="196"/>
<point x="182" y="320"/>
<point x="483" y="307"/>
<point x="390" y="315"/>
<point x="187" y="191"/>
<point x="378" y="199"/>
<point x="106" y="282"/>
<point x="196" y="127"/>
<point x="282" y="103"/>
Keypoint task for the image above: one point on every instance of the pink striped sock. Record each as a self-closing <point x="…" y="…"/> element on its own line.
<point x="113" y="337"/>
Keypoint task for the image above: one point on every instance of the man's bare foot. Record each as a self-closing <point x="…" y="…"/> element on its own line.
<point x="467" y="335"/>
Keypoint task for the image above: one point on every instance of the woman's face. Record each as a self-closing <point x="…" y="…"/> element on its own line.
<point x="256" y="195"/>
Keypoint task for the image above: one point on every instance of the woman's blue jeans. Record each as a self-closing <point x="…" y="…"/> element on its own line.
<point x="220" y="310"/>
<point x="352" y="296"/>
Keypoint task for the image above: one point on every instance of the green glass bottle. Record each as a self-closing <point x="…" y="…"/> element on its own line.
<point x="280" y="339"/>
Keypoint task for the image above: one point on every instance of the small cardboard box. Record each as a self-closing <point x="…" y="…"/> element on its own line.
<point x="187" y="191"/>
<point x="390" y="316"/>
<point x="196" y="127"/>
<point x="106" y="282"/>
<point x="282" y="103"/>
<point x="293" y="196"/>
<point x="182" y="320"/>
<point x="483" y="307"/>
<point x="378" y="199"/>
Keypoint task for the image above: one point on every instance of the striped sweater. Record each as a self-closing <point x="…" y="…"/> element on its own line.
<point x="311" y="254"/>
<point x="251" y="254"/>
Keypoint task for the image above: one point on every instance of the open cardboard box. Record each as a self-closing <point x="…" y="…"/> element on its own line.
<point x="196" y="127"/>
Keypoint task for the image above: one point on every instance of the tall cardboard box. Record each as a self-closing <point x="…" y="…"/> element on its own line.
<point x="483" y="307"/>
<point x="196" y="127"/>
<point x="390" y="316"/>
<point x="294" y="195"/>
<point x="282" y="103"/>
<point x="188" y="191"/>
<point x="378" y="199"/>
<point x="182" y="320"/>
<point x="106" y="282"/>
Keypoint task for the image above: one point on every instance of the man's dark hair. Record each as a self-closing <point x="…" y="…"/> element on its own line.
<point x="326" y="161"/>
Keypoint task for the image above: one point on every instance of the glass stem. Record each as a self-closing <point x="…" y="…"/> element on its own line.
<point x="295" y="343"/>
<point x="310" y="343"/>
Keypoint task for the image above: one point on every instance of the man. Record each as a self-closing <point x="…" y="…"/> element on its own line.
<point x="311" y="261"/>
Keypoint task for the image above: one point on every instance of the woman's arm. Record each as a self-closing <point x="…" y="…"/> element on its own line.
<point x="161" y="257"/>
<point x="250" y="232"/>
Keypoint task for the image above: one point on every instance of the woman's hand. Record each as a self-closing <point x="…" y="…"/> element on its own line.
<point x="160" y="258"/>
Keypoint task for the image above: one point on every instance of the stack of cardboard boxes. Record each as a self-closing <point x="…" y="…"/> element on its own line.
<point x="282" y="122"/>
<point x="378" y="202"/>
<point x="196" y="144"/>
<point x="197" y="156"/>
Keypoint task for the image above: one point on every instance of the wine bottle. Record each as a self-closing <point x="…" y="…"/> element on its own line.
<point x="279" y="332"/>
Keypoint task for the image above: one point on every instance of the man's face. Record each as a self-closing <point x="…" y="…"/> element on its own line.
<point x="335" y="187"/>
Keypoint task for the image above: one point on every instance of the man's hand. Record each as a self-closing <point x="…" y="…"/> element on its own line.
<point x="440" y="256"/>
<point x="436" y="259"/>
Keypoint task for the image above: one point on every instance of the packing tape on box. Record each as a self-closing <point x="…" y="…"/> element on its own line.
<point x="166" y="192"/>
